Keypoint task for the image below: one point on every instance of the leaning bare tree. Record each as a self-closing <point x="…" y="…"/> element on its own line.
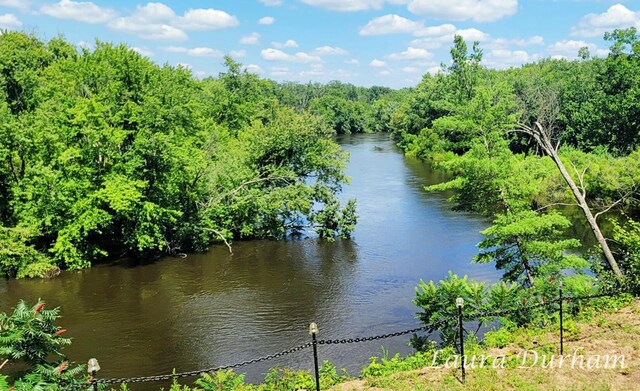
<point x="540" y="123"/>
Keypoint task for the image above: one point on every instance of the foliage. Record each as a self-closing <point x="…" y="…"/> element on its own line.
<point x="462" y="120"/>
<point x="104" y="154"/>
<point x="438" y="311"/>
<point x="28" y="335"/>
<point x="384" y="366"/>
<point x="627" y="241"/>
<point x="532" y="238"/>
<point x="465" y="67"/>
<point x="18" y="258"/>
<point x="224" y="380"/>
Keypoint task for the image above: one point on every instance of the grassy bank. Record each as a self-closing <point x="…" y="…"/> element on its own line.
<point x="596" y="334"/>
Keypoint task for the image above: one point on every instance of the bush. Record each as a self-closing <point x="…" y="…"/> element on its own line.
<point x="28" y="336"/>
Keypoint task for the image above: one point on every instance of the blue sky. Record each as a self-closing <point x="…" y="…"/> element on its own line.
<point x="364" y="42"/>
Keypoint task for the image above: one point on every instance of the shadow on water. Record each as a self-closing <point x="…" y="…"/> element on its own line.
<point x="145" y="318"/>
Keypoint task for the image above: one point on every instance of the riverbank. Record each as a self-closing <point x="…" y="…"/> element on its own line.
<point x="602" y="352"/>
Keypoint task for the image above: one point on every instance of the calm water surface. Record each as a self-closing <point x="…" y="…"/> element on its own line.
<point x="216" y="308"/>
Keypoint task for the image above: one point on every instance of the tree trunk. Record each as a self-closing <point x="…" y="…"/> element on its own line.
<point x="579" y="196"/>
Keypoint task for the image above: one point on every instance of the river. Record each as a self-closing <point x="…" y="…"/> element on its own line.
<point x="146" y="318"/>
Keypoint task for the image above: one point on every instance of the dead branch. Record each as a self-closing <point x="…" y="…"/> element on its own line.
<point x="221" y="236"/>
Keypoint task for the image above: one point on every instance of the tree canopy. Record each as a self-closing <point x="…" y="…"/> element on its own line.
<point x="104" y="153"/>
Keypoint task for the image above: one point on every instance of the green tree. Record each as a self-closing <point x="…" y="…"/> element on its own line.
<point x="465" y="67"/>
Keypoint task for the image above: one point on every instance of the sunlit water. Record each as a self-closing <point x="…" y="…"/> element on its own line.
<point x="214" y="309"/>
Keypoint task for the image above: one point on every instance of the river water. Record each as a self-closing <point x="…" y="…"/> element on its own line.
<point x="146" y="318"/>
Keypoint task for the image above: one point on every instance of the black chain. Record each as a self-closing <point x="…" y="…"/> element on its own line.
<point x="427" y="328"/>
<point x="200" y="371"/>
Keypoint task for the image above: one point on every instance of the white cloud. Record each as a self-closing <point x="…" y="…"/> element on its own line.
<point x="86" y="12"/>
<point x="435" y="31"/>
<point x="317" y="70"/>
<point x="238" y="53"/>
<point x="156" y="21"/>
<point x="267" y="20"/>
<point x="434" y="37"/>
<point x="143" y="51"/>
<point x="290" y="43"/>
<point x="329" y="51"/>
<point x="504" y="58"/>
<point x="19" y="4"/>
<point x="251" y="39"/>
<point x="472" y="34"/>
<point x="535" y="40"/>
<point x="9" y="21"/>
<point x="410" y="70"/>
<point x="515" y="56"/>
<point x="271" y="3"/>
<point x="206" y="19"/>
<point x="503" y="42"/>
<point x="377" y="63"/>
<point x="204" y="52"/>
<point x="411" y="54"/>
<point x="476" y="10"/>
<point x="390" y="24"/>
<point x="570" y="48"/>
<point x="159" y="32"/>
<point x="253" y="68"/>
<point x="194" y="52"/>
<point x="278" y="55"/>
<point x="352" y="61"/>
<point x="427" y="43"/>
<point x="351" y="5"/>
<point x="617" y="16"/>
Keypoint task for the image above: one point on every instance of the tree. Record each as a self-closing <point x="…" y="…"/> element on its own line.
<point x="544" y="132"/>
<point x="104" y="153"/>
<point x="619" y="82"/>
<point x="627" y="239"/>
<point x="465" y="67"/>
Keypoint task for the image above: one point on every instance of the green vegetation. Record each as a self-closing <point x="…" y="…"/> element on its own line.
<point x="28" y="336"/>
<point x="521" y="142"/>
<point x="105" y="154"/>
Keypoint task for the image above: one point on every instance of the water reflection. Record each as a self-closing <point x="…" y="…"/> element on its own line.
<point x="218" y="308"/>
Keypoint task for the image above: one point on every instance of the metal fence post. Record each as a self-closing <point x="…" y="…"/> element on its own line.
<point x="93" y="367"/>
<point x="459" y="304"/>
<point x="313" y="330"/>
<point x="561" y="325"/>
